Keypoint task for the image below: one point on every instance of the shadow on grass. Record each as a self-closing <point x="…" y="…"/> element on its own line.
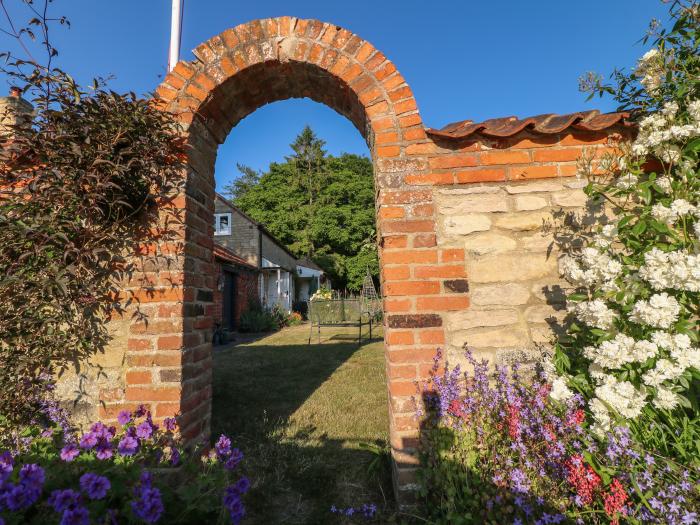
<point x="312" y="422"/>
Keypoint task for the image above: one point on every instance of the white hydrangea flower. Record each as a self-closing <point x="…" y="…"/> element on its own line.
<point x="660" y="311"/>
<point x="613" y="353"/>
<point x="622" y="396"/>
<point x="664" y="183"/>
<point x="595" y="313"/>
<point x="696" y="228"/>
<point x="662" y="213"/>
<point x="694" y="110"/>
<point x="597" y="372"/>
<point x="591" y="268"/>
<point x="601" y="417"/>
<point x="665" y="399"/>
<point x="665" y="370"/>
<point x="627" y="181"/>
<point x="643" y="350"/>
<point x="606" y="236"/>
<point x="686" y="355"/>
<point x="677" y="270"/>
<point x="682" y="207"/>
<point x="560" y="390"/>
<point x="619" y="351"/>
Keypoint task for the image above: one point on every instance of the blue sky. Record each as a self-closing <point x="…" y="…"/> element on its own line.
<point x="462" y="58"/>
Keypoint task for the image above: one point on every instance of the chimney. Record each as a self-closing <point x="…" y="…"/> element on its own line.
<point x="14" y="111"/>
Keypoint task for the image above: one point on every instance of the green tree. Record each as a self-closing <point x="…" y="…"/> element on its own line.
<point x="320" y="206"/>
<point x="240" y="186"/>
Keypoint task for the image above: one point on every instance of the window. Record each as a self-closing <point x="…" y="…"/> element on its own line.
<point x="222" y="224"/>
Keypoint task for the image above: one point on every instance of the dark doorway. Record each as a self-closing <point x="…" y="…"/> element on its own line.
<point x="229" y="293"/>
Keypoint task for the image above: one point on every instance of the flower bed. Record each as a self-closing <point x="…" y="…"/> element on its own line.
<point x="136" y="473"/>
<point x="502" y="450"/>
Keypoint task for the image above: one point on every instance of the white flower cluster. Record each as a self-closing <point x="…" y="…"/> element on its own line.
<point x="665" y="370"/>
<point x="627" y="181"/>
<point x="659" y="132"/>
<point x="660" y="311"/>
<point x="622" y="396"/>
<point x="649" y="70"/>
<point x="606" y="236"/>
<point x="680" y="347"/>
<point x="675" y="270"/>
<point x="665" y="399"/>
<point x="595" y="313"/>
<point x="560" y="391"/>
<point x="678" y="209"/>
<point x="619" y="351"/>
<point x="591" y="268"/>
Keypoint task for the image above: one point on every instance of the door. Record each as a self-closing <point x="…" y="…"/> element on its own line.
<point x="229" y="293"/>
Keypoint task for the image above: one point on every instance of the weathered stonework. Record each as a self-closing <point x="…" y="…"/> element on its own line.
<point x="512" y="266"/>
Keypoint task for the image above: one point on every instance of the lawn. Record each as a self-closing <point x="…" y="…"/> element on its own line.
<point x="311" y="420"/>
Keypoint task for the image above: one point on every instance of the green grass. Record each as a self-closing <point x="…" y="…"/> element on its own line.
<point x="311" y="420"/>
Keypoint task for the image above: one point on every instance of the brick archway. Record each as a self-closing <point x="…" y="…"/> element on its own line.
<point x="468" y="197"/>
<point x="234" y="74"/>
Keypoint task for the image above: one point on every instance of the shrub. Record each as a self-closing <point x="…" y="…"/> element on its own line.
<point x="501" y="450"/>
<point x="137" y="473"/>
<point x="632" y="347"/>
<point x="79" y="186"/>
<point x="257" y="321"/>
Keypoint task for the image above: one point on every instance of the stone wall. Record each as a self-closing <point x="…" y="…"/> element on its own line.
<point x="244" y="240"/>
<point x="506" y="229"/>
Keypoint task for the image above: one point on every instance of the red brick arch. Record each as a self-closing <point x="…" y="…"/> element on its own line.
<point x="234" y="74"/>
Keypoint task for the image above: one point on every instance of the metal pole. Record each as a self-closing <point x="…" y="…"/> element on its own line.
<point x="175" y="32"/>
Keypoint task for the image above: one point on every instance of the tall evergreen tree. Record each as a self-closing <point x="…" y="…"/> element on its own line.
<point x="319" y="206"/>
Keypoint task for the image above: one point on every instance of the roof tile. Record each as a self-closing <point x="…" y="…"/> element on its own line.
<point x="547" y="124"/>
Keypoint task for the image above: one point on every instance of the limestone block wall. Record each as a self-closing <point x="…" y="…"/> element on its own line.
<point x="506" y="230"/>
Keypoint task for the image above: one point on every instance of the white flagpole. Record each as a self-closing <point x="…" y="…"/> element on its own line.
<point x="175" y="27"/>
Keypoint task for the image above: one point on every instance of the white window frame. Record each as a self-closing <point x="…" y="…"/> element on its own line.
<point x="217" y="224"/>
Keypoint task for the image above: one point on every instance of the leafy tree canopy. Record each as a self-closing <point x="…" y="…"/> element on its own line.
<point x="318" y="205"/>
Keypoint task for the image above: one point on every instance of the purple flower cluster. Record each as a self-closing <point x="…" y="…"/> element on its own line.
<point x="22" y="484"/>
<point x="23" y="494"/>
<point x="230" y="457"/>
<point x="233" y="501"/>
<point x="365" y="510"/>
<point x="531" y="449"/>
<point x="147" y="504"/>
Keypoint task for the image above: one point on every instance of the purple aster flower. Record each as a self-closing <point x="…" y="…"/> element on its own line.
<point x="6" y="465"/>
<point x="174" y="457"/>
<point x="124" y="417"/>
<point x="62" y="500"/>
<point x="32" y="476"/>
<point x="170" y="424"/>
<point x="148" y="506"/>
<point x="141" y="411"/>
<point x="94" y="485"/>
<point x="18" y="497"/>
<point x="88" y="440"/>
<point x="234" y="459"/>
<point x="76" y="516"/>
<point x="223" y="446"/>
<point x="103" y="450"/>
<point x="520" y="483"/>
<point x="689" y="518"/>
<point x="128" y="446"/>
<point x="144" y="430"/>
<point x="70" y="452"/>
<point x="242" y="485"/>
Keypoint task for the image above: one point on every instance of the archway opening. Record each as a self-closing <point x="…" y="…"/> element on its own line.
<point x="310" y="417"/>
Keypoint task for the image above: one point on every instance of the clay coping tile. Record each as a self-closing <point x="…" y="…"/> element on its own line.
<point x="547" y="124"/>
